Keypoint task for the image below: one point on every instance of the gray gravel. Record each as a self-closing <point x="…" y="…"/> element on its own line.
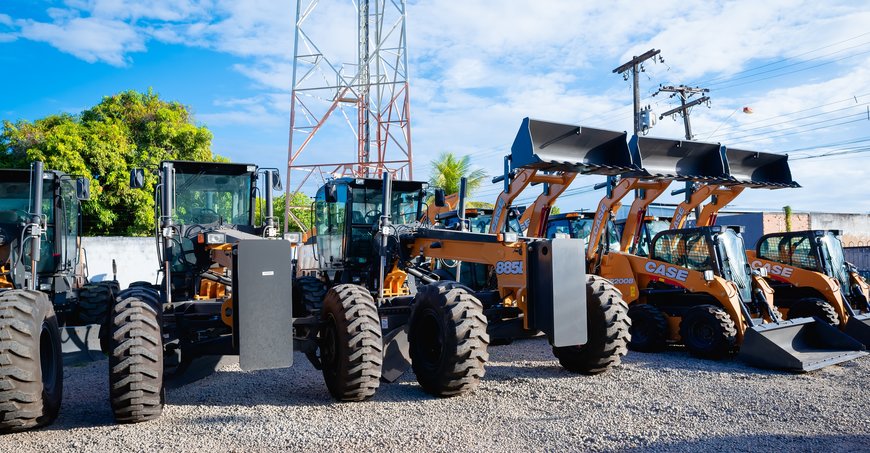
<point x="654" y="402"/>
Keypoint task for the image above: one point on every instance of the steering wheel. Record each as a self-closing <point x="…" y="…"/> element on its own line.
<point x="13" y="215"/>
<point x="205" y="215"/>
<point x="372" y="216"/>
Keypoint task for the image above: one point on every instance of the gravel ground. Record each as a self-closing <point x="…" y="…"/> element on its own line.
<point x="654" y="402"/>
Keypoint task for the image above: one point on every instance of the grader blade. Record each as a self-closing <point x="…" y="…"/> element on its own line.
<point x="798" y="345"/>
<point x="759" y="170"/>
<point x="858" y="327"/>
<point x="397" y="354"/>
<point x="679" y="159"/>
<point x="564" y="147"/>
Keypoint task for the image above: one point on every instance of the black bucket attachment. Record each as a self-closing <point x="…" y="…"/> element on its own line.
<point x="563" y="147"/>
<point x="681" y="160"/>
<point x="798" y="345"/>
<point x="759" y="170"/>
<point x="858" y="327"/>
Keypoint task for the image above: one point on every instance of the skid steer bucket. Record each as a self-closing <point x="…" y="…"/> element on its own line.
<point x="759" y="170"/>
<point x="679" y="159"/>
<point x="564" y="147"/>
<point x="858" y="327"/>
<point x="798" y="345"/>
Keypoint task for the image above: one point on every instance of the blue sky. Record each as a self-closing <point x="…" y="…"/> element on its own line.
<point x="477" y="68"/>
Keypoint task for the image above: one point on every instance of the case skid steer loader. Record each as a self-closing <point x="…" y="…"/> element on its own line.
<point x="42" y="288"/>
<point x="807" y="269"/>
<point x="225" y="286"/>
<point x="811" y="277"/>
<point x="696" y="286"/>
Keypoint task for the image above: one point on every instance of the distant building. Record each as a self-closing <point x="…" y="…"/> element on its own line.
<point x="854" y="228"/>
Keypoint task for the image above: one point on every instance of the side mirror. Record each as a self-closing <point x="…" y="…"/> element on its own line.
<point x="440" y="198"/>
<point x="330" y="193"/>
<point x="276" y="181"/>
<point x="83" y="188"/>
<point x="137" y="178"/>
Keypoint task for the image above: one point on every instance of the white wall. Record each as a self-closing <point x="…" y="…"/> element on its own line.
<point x="136" y="258"/>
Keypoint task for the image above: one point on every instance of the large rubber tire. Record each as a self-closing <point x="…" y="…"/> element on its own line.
<point x="95" y="301"/>
<point x="649" y="328"/>
<point x="448" y="339"/>
<point x="31" y="365"/>
<point x="308" y="295"/>
<point x="143" y="292"/>
<point x="351" y="349"/>
<point x="609" y="331"/>
<point x="809" y="307"/>
<point x="136" y="390"/>
<point x="708" y="332"/>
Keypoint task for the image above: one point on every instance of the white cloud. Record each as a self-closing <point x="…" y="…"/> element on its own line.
<point x="5" y="19"/>
<point x="89" y="39"/>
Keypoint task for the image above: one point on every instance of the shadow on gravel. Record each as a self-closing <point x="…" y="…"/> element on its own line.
<point x="535" y="356"/>
<point x="764" y="442"/>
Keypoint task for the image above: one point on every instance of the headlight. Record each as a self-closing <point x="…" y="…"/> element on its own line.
<point x="293" y="238"/>
<point x="215" y="238"/>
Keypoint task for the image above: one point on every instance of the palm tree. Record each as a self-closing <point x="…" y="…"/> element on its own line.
<point x="448" y="169"/>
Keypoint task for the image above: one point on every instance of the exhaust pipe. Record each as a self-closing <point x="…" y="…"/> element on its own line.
<point x="35" y="224"/>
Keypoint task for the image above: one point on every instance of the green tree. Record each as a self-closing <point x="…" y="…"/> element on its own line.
<point x="448" y="169"/>
<point x="303" y="214"/>
<point x="126" y="130"/>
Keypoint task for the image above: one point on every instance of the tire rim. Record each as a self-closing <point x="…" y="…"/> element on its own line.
<point x="47" y="362"/>
<point x="703" y="334"/>
<point x="430" y="346"/>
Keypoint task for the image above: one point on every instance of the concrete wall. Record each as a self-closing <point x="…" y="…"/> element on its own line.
<point x="855" y="228"/>
<point x="136" y="258"/>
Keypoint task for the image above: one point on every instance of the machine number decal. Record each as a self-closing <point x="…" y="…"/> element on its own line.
<point x="622" y="281"/>
<point x="776" y="269"/>
<point x="509" y="267"/>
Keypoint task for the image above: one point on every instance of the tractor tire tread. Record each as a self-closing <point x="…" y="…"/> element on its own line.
<point x="609" y="331"/>
<point x="136" y="360"/>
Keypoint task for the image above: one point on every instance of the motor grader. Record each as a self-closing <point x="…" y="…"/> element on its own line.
<point x="696" y="287"/>
<point x="43" y="287"/>
<point x="806" y="268"/>
<point x="536" y="288"/>
<point x="224" y="289"/>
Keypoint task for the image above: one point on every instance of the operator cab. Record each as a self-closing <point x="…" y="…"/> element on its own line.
<point x="347" y="212"/>
<point x="814" y="250"/>
<point x="478" y="220"/>
<point x="650" y="227"/>
<point x="578" y="225"/>
<point x="717" y="248"/>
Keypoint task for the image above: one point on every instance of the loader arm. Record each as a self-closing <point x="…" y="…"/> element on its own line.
<point x="505" y="199"/>
<point x="534" y="218"/>
<point x="607" y="207"/>
<point x="650" y="190"/>
<point x="720" y="198"/>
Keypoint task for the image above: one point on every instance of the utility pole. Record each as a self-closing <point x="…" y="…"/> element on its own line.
<point x="685" y="93"/>
<point x="633" y="65"/>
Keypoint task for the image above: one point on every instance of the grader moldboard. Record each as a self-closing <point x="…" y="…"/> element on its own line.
<point x="697" y="288"/>
<point x="43" y="286"/>
<point x="225" y="285"/>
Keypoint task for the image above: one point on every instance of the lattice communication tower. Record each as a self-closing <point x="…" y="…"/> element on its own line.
<point x="335" y="105"/>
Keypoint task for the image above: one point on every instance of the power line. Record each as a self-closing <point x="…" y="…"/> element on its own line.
<point x="711" y="81"/>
